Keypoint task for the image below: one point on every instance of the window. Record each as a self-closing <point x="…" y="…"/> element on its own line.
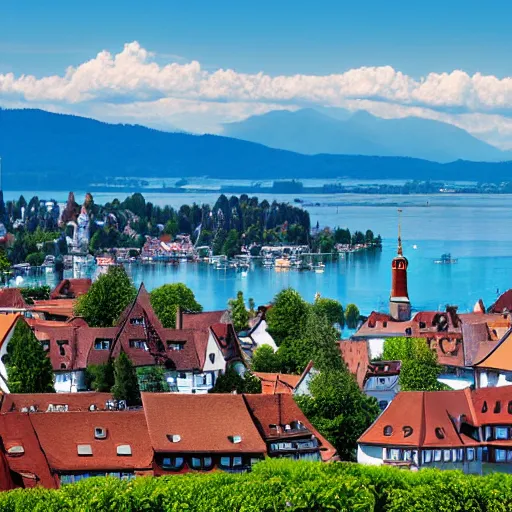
<point x="383" y="404"/>
<point x="393" y="454"/>
<point x="427" y="456"/>
<point x="437" y="455"/>
<point x="460" y="455"/>
<point x="46" y="345"/>
<point x="124" y="450"/>
<point x="212" y="358"/>
<point x="501" y="433"/>
<point x="388" y="430"/>
<point x="470" y="454"/>
<point x="497" y="407"/>
<point x="454" y="455"/>
<point x="137" y="321"/>
<point x="100" y="433"/>
<point x="61" y="344"/>
<point x="407" y="431"/>
<point x="407" y="455"/>
<point x="237" y="461"/>
<point x="182" y="375"/>
<point x="500" y="455"/>
<point x="231" y="462"/>
<point x="201" y="462"/>
<point x="140" y="344"/>
<point x="484" y="406"/>
<point x="488" y="433"/>
<point x="439" y="432"/>
<point x="175" y="345"/>
<point x="447" y="455"/>
<point x="102" y="344"/>
<point x="172" y="463"/>
<point x="225" y="461"/>
<point x="84" y="450"/>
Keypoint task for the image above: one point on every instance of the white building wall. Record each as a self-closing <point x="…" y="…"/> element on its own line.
<point x="383" y="389"/>
<point x="370" y="455"/>
<point x="212" y="348"/>
<point x="262" y="337"/>
<point x="376" y="347"/>
<point x="303" y="387"/>
<point x="69" y="382"/>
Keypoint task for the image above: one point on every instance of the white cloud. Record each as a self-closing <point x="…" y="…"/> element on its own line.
<point x="131" y="86"/>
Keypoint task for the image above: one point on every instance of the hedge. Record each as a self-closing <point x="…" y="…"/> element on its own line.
<point x="275" y="485"/>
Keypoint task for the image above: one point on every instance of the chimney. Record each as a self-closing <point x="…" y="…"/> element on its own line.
<point x="179" y="318"/>
<point x="452" y="311"/>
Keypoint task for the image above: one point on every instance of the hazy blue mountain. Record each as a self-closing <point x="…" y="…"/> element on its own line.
<point x="338" y="131"/>
<point x="42" y="150"/>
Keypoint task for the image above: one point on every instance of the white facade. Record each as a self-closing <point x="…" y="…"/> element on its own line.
<point x="302" y="387"/>
<point x="258" y="336"/>
<point x="370" y="455"/>
<point x="69" y="382"/>
<point x="3" y="369"/>
<point x="376" y="348"/>
<point x="382" y="388"/>
<point x="492" y="378"/>
<point x="214" y="361"/>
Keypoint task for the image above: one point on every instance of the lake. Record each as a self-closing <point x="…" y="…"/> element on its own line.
<point x="475" y="229"/>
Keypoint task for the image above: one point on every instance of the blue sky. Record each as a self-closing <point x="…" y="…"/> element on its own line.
<point x="280" y="39"/>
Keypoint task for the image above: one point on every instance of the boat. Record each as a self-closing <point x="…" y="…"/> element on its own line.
<point x="446" y="259"/>
<point x="319" y="269"/>
<point x="282" y="264"/>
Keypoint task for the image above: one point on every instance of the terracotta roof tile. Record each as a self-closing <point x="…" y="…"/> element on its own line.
<point x="12" y="298"/>
<point x="204" y="423"/>
<point x="356" y="357"/>
<point x="272" y="383"/>
<point x="71" y="288"/>
<point x="122" y="428"/>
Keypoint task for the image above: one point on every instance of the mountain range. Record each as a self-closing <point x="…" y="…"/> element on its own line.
<point x="339" y="131"/>
<point x="47" y="151"/>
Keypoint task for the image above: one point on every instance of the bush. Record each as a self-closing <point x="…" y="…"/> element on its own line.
<point x="278" y="485"/>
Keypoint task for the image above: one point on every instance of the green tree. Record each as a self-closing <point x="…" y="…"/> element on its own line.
<point x="107" y="298"/>
<point x="231" y="245"/>
<point x="264" y="359"/>
<point x="339" y="410"/>
<point x="5" y="265"/>
<point x="166" y="299"/>
<point x="100" y="377"/>
<point x="419" y="370"/>
<point x="29" y="369"/>
<point x="171" y="228"/>
<point x="35" y="293"/>
<point x="35" y="259"/>
<point x="287" y="316"/>
<point x="317" y="342"/>
<point x="230" y="381"/>
<point x="126" y="385"/>
<point x="331" y="309"/>
<point x="352" y="316"/>
<point x="152" y="379"/>
<point x="239" y="312"/>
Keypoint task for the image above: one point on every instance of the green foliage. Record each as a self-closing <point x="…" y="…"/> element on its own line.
<point x="420" y="369"/>
<point x="171" y="228"/>
<point x="231" y="246"/>
<point x="287" y="316"/>
<point x="35" y="259"/>
<point x="352" y="316"/>
<point x="278" y="484"/>
<point x="100" y="377"/>
<point x="29" y="370"/>
<point x="230" y="381"/>
<point x="266" y="360"/>
<point x="339" y="409"/>
<point x="166" y="299"/>
<point x="30" y="294"/>
<point x="330" y="308"/>
<point x="5" y="264"/>
<point x="152" y="379"/>
<point x="239" y="312"/>
<point x="107" y="298"/>
<point x="126" y="385"/>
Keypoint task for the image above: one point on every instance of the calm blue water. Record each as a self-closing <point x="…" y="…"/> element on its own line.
<point x="475" y="229"/>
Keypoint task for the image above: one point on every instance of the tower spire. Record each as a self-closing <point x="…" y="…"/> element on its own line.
<point x="400" y="251"/>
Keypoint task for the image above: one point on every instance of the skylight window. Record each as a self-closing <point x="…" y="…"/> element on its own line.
<point x="84" y="450"/>
<point x="124" y="450"/>
<point x="388" y="430"/>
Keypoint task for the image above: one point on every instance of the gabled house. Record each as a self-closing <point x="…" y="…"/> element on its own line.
<point x="285" y="429"/>
<point x="71" y="288"/>
<point x="382" y="381"/>
<point x="7" y="324"/>
<point x="201" y="433"/>
<point x="12" y="301"/>
<point x="467" y="429"/>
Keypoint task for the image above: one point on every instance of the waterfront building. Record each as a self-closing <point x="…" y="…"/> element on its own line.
<point x="469" y="430"/>
<point x="382" y="381"/>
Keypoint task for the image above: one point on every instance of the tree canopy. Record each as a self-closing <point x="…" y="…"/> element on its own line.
<point x="100" y="377"/>
<point x="166" y="299"/>
<point x="352" y="316"/>
<point x="339" y="409"/>
<point x="239" y="312"/>
<point x="230" y="381"/>
<point x="107" y="298"/>
<point x="331" y="309"/>
<point x="287" y="316"/>
<point x="126" y="385"/>
<point x="29" y="369"/>
<point x="264" y="359"/>
<point x="419" y="370"/>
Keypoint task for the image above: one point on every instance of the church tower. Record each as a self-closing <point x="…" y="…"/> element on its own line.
<point x="399" y="304"/>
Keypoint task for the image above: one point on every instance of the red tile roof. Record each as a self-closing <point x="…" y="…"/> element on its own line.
<point x="282" y="410"/>
<point x="122" y="427"/>
<point x="423" y="419"/>
<point x="202" y="321"/>
<point x="16" y="430"/>
<point x="71" y="288"/>
<point x="204" y="423"/>
<point x="56" y="307"/>
<point x="75" y="401"/>
<point x="7" y="324"/>
<point x="272" y="383"/>
<point x="356" y="357"/>
<point x="504" y="302"/>
<point x="491" y="406"/>
<point x="12" y="298"/>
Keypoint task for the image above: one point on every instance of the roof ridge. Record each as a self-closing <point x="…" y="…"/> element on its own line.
<point x="505" y="337"/>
